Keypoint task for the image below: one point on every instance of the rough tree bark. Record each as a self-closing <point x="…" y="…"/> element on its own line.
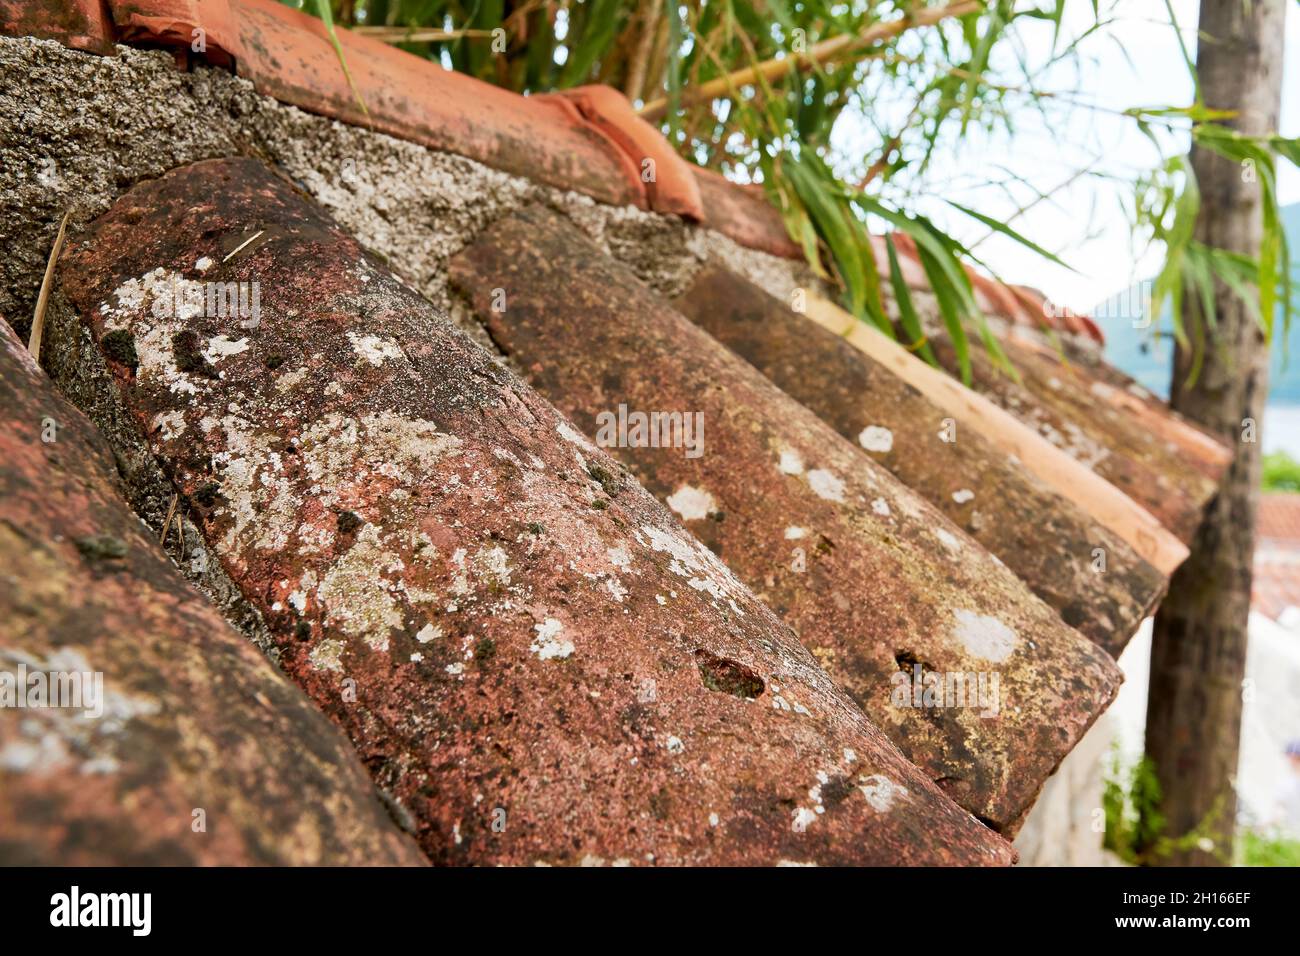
<point x="1198" y="651"/>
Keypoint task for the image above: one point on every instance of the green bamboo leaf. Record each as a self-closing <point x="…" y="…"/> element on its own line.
<point x="832" y="223"/>
<point x="1010" y="233"/>
<point x="598" y="33"/>
<point x="916" y="340"/>
<point x="327" y="17"/>
<point x="950" y="310"/>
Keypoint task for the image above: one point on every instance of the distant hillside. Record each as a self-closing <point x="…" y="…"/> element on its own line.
<point x="1149" y="360"/>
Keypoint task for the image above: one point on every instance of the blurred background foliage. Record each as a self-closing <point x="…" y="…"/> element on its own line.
<point x="756" y="89"/>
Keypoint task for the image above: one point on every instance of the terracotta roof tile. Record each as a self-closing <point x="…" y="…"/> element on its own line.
<point x="80" y="24"/>
<point x="1019" y="305"/>
<point x="1276" y="584"/>
<point x="1279" y="517"/>
<point x="1060" y="401"/>
<point x="1060" y="471"/>
<point x="85" y="589"/>
<point x="526" y="635"/>
<point x="1045" y="538"/>
<point x="875" y="582"/>
<point x="744" y="215"/>
<point x="668" y="178"/>
<point x="887" y="579"/>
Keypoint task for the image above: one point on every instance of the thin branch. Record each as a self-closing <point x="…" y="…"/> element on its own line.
<point x="167" y="522"/>
<point x="415" y="35"/>
<point x="815" y="55"/>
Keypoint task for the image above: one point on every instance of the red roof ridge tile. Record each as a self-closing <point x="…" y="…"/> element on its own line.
<point x="180" y="24"/>
<point x="669" y="184"/>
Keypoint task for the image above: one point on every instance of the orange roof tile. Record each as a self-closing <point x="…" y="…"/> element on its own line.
<point x="1279" y="517"/>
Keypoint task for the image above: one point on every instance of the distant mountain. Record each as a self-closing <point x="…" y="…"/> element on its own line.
<point x="1149" y="359"/>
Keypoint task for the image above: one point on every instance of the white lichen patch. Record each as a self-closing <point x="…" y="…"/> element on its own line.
<point x="619" y="557"/>
<point x="985" y="636"/>
<point x="826" y="484"/>
<point x="153" y="308"/>
<point x="356" y="594"/>
<point x="697" y="564"/>
<point x="405" y="448"/>
<point x="259" y="497"/>
<point x="881" y="507"/>
<point x="674" y="745"/>
<point x="374" y="349"/>
<point x="876" y="438"/>
<point x="963" y="495"/>
<point x="801" y="818"/>
<point x="430" y="632"/>
<point x="169" y="425"/>
<point x="948" y="539"/>
<point x="222" y="346"/>
<point x="794" y="533"/>
<point x="573" y="436"/>
<point x="326" y="656"/>
<point x="881" y="792"/>
<point x="203" y="264"/>
<point x="790" y="463"/>
<point x="493" y="563"/>
<point x="692" y="503"/>
<point x="549" y="644"/>
<point x="288" y="381"/>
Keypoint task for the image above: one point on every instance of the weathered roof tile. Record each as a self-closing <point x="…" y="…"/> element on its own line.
<point x="201" y="753"/>
<point x="1043" y="537"/>
<point x="1065" y="474"/>
<point x="1060" y="401"/>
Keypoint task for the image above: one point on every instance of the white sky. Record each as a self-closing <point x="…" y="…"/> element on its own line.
<point x="1084" y="224"/>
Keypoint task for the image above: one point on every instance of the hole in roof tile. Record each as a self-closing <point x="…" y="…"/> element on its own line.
<point x="727" y="676"/>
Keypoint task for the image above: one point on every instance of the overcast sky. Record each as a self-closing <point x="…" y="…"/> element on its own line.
<point x="1152" y="74"/>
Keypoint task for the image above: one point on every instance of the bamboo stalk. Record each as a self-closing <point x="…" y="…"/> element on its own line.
<point x="641" y="58"/>
<point x="817" y="54"/>
<point x="410" y="35"/>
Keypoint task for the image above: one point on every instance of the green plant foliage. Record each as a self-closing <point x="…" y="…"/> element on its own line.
<point x="1135" y="827"/>
<point x="1281" y="472"/>
<point x="1255" y="848"/>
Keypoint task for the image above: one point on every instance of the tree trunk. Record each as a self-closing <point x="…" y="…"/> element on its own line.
<point x="1198" y="653"/>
